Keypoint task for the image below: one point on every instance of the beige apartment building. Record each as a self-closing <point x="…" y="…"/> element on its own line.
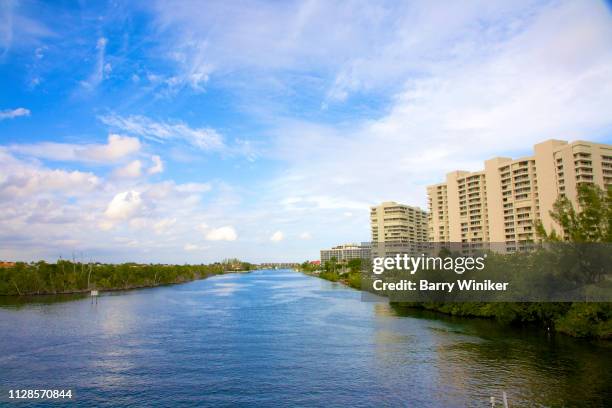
<point x="346" y="252"/>
<point x="503" y="202"/>
<point x="394" y="226"/>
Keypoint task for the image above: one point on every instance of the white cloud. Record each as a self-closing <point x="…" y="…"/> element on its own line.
<point x="202" y="138"/>
<point x="190" y="247"/>
<point x="130" y="170"/>
<point x="163" y="225"/>
<point x="193" y="188"/>
<point x="477" y="95"/>
<point x="37" y="181"/>
<point x="490" y="79"/>
<point x="158" y="165"/>
<point x="17" y="30"/>
<point x="117" y="148"/>
<point x="102" y="68"/>
<point x="124" y="205"/>
<point x="378" y="45"/>
<point x="225" y="37"/>
<point x="277" y="236"/>
<point x="14" y="113"/>
<point x="39" y="52"/>
<point x="226" y="233"/>
<point x="50" y="211"/>
<point x="138" y="223"/>
<point x="23" y="179"/>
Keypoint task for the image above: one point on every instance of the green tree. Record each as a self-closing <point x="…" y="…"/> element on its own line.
<point x="590" y="222"/>
<point x="354" y="265"/>
<point x="331" y="265"/>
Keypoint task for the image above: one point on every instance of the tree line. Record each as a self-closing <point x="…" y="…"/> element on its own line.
<point x="65" y="276"/>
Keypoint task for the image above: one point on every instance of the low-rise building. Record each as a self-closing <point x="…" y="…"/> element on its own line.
<point x="346" y="252"/>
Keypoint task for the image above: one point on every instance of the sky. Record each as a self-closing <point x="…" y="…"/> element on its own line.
<point x="193" y="131"/>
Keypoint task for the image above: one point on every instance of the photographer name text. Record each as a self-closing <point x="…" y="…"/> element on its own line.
<point x="425" y="285"/>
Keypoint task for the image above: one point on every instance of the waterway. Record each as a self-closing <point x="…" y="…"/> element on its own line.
<point x="280" y="338"/>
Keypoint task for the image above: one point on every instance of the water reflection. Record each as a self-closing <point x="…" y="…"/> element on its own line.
<point x="18" y="302"/>
<point x="531" y="366"/>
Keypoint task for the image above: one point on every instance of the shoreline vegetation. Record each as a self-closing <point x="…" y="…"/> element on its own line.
<point x="575" y="319"/>
<point x="590" y="222"/>
<point x="68" y="277"/>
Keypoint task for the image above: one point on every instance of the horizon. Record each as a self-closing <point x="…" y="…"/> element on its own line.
<point x="191" y="133"/>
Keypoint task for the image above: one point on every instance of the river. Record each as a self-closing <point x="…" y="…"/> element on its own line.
<point x="280" y="338"/>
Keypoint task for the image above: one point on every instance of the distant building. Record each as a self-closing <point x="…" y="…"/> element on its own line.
<point x="346" y="252"/>
<point x="6" y="264"/>
<point x="397" y="228"/>
<point x="503" y="202"/>
<point x="393" y="222"/>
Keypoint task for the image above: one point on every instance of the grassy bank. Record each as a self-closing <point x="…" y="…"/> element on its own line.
<point x="42" y="278"/>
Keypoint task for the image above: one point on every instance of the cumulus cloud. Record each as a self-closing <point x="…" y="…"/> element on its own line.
<point x="130" y="170"/>
<point x="277" y="236"/>
<point x="23" y="179"/>
<point x="33" y="181"/>
<point x="50" y="211"/>
<point x="204" y="138"/>
<point x="14" y="113"/>
<point x="123" y="205"/>
<point x="117" y="147"/>
<point x="226" y="233"/>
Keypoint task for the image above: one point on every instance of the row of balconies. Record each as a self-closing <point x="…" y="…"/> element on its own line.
<point x="520" y="171"/>
<point x="583" y="155"/>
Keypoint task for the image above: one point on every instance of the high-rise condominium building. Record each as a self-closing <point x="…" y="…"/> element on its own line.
<point x="396" y="226"/>
<point x="503" y="202"/>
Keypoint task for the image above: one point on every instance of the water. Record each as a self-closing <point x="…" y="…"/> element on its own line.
<point x="279" y="338"/>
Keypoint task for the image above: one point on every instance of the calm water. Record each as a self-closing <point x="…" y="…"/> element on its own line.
<point x="273" y="338"/>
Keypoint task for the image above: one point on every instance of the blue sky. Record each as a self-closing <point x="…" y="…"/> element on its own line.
<point x="194" y="131"/>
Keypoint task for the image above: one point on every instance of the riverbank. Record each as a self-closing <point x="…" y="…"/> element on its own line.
<point x="580" y="320"/>
<point x="65" y="277"/>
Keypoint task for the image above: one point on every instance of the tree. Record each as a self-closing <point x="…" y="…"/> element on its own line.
<point x="330" y="266"/>
<point x="590" y="222"/>
<point x="354" y="265"/>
